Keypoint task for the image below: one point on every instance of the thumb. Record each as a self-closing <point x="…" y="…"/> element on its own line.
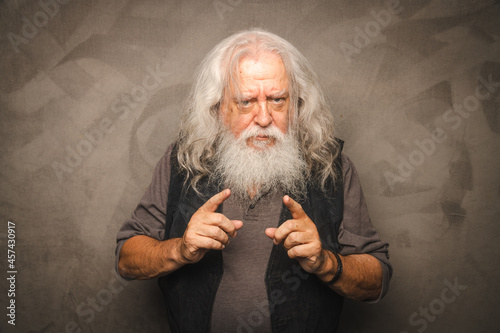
<point x="237" y="224"/>
<point x="270" y="232"/>
<point x="214" y="202"/>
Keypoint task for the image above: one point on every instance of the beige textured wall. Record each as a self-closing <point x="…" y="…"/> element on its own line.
<point x="90" y="95"/>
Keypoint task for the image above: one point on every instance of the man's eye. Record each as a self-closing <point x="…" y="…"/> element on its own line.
<point x="278" y="100"/>
<point x="245" y="103"/>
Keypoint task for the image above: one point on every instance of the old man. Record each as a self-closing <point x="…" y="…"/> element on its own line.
<point x="255" y="220"/>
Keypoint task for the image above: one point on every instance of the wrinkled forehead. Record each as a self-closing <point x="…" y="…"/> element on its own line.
<point x="263" y="66"/>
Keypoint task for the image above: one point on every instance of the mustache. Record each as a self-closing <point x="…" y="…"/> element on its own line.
<point x="272" y="132"/>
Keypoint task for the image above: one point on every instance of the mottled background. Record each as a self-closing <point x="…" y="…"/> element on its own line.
<point x="415" y="92"/>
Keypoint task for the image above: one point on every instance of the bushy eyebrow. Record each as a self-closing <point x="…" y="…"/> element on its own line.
<point x="281" y="93"/>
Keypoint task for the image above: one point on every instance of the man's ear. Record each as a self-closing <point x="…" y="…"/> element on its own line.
<point x="300" y="103"/>
<point x="216" y="108"/>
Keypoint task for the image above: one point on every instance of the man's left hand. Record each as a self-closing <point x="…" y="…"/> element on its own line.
<point x="300" y="238"/>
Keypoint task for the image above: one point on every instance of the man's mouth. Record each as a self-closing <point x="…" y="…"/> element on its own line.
<point x="261" y="141"/>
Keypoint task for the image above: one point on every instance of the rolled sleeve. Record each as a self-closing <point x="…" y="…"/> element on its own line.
<point x="149" y="216"/>
<point x="356" y="232"/>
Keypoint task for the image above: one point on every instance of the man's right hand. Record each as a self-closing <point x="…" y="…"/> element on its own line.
<point x="207" y="230"/>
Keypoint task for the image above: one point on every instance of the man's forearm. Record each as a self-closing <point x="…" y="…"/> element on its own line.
<point x="143" y="257"/>
<point x="361" y="277"/>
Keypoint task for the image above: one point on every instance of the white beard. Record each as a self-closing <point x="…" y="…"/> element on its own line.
<point x="245" y="169"/>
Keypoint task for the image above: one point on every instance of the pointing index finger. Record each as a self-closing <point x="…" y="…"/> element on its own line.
<point x="294" y="207"/>
<point x="214" y="202"/>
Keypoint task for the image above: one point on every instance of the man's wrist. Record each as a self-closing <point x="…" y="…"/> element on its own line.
<point x="329" y="270"/>
<point x="172" y="254"/>
<point x="180" y="258"/>
<point x="327" y="266"/>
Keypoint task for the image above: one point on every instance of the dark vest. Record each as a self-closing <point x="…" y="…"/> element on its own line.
<point x="297" y="303"/>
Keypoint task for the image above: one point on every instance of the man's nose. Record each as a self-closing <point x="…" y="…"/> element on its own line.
<point x="263" y="116"/>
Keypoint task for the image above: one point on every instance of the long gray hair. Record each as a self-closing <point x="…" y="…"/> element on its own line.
<point x="201" y="123"/>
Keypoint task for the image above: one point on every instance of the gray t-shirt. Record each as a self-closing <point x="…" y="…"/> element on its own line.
<point x="241" y="304"/>
<point x="241" y="301"/>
